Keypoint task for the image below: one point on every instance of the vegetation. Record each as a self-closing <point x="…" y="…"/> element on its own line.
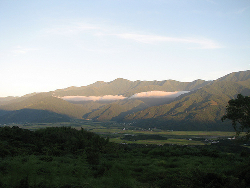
<point x="32" y="116"/>
<point x="65" y="157"/>
<point x="146" y="151"/>
<point x="238" y="111"/>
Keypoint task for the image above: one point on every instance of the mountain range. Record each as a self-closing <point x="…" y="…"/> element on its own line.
<point x="168" y="104"/>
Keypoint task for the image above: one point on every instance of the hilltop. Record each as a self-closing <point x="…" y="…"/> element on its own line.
<point x="199" y="105"/>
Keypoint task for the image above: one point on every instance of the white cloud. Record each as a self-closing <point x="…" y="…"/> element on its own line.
<point x="93" y="98"/>
<point x="22" y="50"/>
<point x="101" y="30"/>
<point x="149" y="94"/>
<point x="72" y="29"/>
<point x="202" y="42"/>
<point x="158" y="94"/>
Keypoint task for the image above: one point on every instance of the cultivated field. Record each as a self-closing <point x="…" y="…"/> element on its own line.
<point x="126" y="134"/>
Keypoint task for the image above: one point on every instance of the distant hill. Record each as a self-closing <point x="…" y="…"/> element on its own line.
<point x="200" y="109"/>
<point x="128" y="88"/>
<point x="6" y="100"/>
<point x="44" y="101"/>
<point x="32" y="116"/>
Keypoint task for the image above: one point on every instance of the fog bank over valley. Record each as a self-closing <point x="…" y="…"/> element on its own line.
<point x="93" y="98"/>
<point x="158" y="94"/>
<point x="148" y="94"/>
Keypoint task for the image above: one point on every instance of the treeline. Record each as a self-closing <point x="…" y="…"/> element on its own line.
<point x="31" y="116"/>
<point x="51" y="141"/>
<point x="63" y="157"/>
<point x="182" y="125"/>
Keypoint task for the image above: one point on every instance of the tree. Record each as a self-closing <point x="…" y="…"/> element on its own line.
<point x="238" y="111"/>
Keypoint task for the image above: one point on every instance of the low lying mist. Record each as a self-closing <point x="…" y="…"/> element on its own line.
<point x="93" y="98"/>
<point x="158" y="94"/>
<point x="148" y="94"/>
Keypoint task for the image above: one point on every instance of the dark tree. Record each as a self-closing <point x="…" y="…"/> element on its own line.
<point x="238" y="111"/>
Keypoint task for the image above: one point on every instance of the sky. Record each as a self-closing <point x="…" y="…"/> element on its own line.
<point x="53" y="44"/>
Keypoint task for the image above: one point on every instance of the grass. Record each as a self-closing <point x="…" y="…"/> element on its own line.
<point x="181" y="133"/>
<point x="159" y="142"/>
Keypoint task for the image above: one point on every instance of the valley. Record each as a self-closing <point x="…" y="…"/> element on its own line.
<point x="126" y="133"/>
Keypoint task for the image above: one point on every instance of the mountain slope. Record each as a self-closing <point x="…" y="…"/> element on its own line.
<point x="199" y="109"/>
<point x="32" y="116"/>
<point x="116" y="110"/>
<point x="128" y="88"/>
<point x="94" y="109"/>
<point x="203" y="107"/>
<point x="44" y="101"/>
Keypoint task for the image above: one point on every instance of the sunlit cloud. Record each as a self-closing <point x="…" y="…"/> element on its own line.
<point x="148" y="94"/>
<point x="93" y="98"/>
<point x="158" y="94"/>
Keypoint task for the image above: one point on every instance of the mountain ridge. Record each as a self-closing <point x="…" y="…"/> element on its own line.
<point x="201" y="108"/>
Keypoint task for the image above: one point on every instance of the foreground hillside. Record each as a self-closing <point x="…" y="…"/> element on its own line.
<point x="199" y="109"/>
<point x="60" y="157"/>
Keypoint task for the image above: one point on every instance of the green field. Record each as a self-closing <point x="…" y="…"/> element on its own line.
<point x="118" y="132"/>
<point x="159" y="142"/>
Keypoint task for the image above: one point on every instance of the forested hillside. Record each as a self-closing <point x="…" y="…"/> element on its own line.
<point x="60" y="157"/>
<point x="117" y="110"/>
<point x="31" y="116"/>
<point x="203" y="107"/>
<point x="200" y="109"/>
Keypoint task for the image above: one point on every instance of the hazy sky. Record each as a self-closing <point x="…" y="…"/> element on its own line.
<point x="53" y="44"/>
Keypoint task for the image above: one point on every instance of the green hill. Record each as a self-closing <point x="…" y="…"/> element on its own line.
<point x="201" y="109"/>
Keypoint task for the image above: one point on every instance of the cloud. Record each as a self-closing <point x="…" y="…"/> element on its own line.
<point x="100" y="30"/>
<point x="158" y="94"/>
<point x="149" y="94"/>
<point x="22" y="50"/>
<point x="72" y="29"/>
<point x="93" y="98"/>
<point x="203" y="43"/>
